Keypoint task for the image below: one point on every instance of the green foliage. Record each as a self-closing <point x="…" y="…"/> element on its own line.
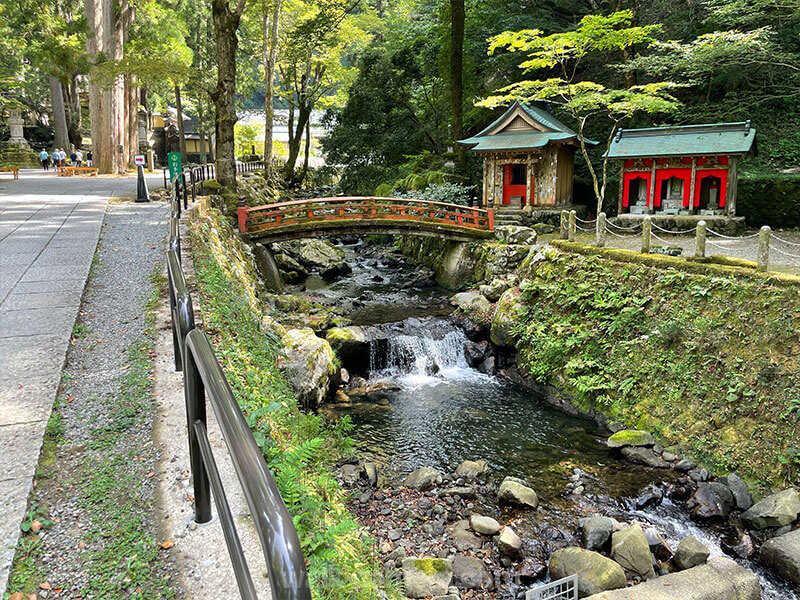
<point x="300" y="448"/>
<point x="769" y="199"/>
<point x="688" y="357"/>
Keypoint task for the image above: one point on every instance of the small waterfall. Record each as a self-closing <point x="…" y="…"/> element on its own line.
<point x="420" y="353"/>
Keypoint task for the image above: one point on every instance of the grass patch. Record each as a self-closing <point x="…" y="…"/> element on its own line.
<point x="300" y="449"/>
<point x="706" y="362"/>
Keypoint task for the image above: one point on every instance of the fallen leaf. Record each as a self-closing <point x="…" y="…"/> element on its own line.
<point x="167" y="545"/>
<point x="150" y="474"/>
<point x="32" y="596"/>
<point x="190" y="497"/>
<point x="81" y="544"/>
<point x="17" y="595"/>
<point x="58" y="590"/>
<point x="45" y="586"/>
<point x="70" y="399"/>
<point x="36" y="526"/>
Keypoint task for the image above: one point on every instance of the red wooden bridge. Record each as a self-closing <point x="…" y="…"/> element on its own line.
<point x="364" y="215"/>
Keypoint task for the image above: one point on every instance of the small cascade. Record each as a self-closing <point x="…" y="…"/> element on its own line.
<point x="421" y="354"/>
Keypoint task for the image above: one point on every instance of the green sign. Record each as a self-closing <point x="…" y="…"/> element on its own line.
<point x="175" y="166"/>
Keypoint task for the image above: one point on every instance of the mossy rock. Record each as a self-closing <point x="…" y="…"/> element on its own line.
<point x="212" y="186"/>
<point x="630" y="437"/>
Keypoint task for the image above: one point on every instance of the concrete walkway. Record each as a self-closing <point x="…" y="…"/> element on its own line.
<point x="49" y="229"/>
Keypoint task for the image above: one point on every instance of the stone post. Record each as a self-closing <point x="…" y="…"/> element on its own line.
<point x="763" y="248"/>
<point x="647" y="228"/>
<point x="600" y="233"/>
<point x="151" y="161"/>
<point x="563" y="230"/>
<point x="15" y="123"/>
<point x="700" y="240"/>
<point x="572" y="222"/>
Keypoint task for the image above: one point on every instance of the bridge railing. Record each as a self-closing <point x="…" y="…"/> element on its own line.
<point x="204" y="380"/>
<point x="348" y="208"/>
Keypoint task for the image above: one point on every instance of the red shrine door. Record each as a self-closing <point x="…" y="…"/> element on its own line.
<point x="515" y="185"/>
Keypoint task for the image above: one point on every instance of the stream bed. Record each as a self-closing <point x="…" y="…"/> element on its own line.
<point x="442" y="412"/>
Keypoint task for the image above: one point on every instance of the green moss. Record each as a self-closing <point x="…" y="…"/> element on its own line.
<point x="630" y="437"/>
<point x="432" y="566"/>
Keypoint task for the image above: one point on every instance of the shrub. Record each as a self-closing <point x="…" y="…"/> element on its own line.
<point x="769" y="199"/>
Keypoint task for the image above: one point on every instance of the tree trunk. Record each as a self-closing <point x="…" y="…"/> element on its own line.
<point x="270" y="56"/>
<point x="94" y="20"/>
<point x="181" y="132"/>
<point x="296" y="137"/>
<point x="59" y="115"/>
<point x="307" y="151"/>
<point x="456" y="68"/>
<point x="226" y="22"/>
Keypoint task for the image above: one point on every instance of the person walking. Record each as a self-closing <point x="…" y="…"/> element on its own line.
<point x="62" y="157"/>
<point x="73" y="158"/>
<point x="78" y="157"/>
<point x="56" y="158"/>
<point x="89" y="158"/>
<point x="44" y="157"/>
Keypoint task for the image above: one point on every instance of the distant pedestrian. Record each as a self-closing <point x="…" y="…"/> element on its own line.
<point x="45" y="158"/>
<point x="89" y="158"/>
<point x="62" y="157"/>
<point x="73" y="158"/>
<point x="56" y="158"/>
<point x="78" y="157"/>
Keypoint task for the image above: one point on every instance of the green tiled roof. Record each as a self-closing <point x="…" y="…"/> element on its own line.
<point x="689" y="140"/>
<point x="520" y="140"/>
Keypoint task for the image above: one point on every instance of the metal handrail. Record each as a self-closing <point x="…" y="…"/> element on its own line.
<point x="204" y="379"/>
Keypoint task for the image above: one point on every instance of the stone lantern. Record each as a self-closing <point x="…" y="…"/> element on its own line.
<point x="15" y="123"/>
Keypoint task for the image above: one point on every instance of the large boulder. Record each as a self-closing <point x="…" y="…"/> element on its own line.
<point x="484" y="525"/>
<point x="268" y="268"/>
<point x="472" y="469"/>
<point x="776" y="510"/>
<point x="690" y="553"/>
<point x="515" y="234"/>
<point x="782" y="555"/>
<point x="629" y="548"/>
<point x="506" y="318"/>
<point x="644" y="456"/>
<point x="463" y="538"/>
<point x="595" y="572"/>
<point x="424" y="577"/>
<point x="310" y="366"/>
<point x="514" y="491"/>
<point x="472" y="302"/>
<point x="470" y="573"/>
<point x="711" y="501"/>
<point x="595" y="532"/>
<point x="492" y="291"/>
<point x="718" y="579"/>
<point x="423" y="478"/>
<point x="457" y="265"/>
<point x="739" y="490"/>
<point x="630" y="437"/>
<point x="350" y="345"/>
<point x="313" y="254"/>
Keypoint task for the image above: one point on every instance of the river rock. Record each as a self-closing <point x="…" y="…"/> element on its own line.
<point x="509" y="543"/>
<point x="644" y="456"/>
<point x="658" y="545"/>
<point x="350" y="344"/>
<point x="690" y="553"/>
<point x="595" y="532"/>
<point x="595" y="572"/>
<point x="470" y="573"/>
<point x="472" y="469"/>
<point x="425" y="577"/>
<point x="422" y="479"/>
<point x="336" y="270"/>
<point x="463" y="538"/>
<point x="514" y="491"/>
<point x="492" y="291"/>
<point x="739" y="490"/>
<point x="472" y="302"/>
<point x="475" y="353"/>
<point x="698" y="475"/>
<point x="515" y="234"/>
<point x="629" y="548"/>
<point x="371" y="473"/>
<point x="310" y="366"/>
<point x="711" y="501"/>
<point x="685" y="465"/>
<point x="776" y="510"/>
<point x="630" y="437"/>
<point x="506" y="318"/>
<point x="741" y="546"/>
<point x="313" y="253"/>
<point x="484" y="525"/>
<point x="718" y="579"/>
<point x="782" y="555"/>
<point x="649" y="497"/>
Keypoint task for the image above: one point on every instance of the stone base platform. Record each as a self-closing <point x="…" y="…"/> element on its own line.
<point x="721" y="224"/>
<point x="530" y="215"/>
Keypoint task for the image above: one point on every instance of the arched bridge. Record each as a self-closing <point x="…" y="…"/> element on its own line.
<point x="364" y="215"/>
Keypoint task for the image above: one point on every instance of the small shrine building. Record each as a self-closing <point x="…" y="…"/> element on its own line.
<point x="528" y="160"/>
<point x="687" y="171"/>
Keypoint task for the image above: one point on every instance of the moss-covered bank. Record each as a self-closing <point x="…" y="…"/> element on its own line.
<point x="300" y="449"/>
<point x="708" y="363"/>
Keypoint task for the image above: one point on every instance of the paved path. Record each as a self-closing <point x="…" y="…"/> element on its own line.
<point x="49" y="229"/>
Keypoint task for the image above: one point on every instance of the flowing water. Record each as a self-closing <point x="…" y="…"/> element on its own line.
<point x="445" y="412"/>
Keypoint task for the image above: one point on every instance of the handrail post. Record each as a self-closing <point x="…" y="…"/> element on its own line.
<point x="572" y="223"/>
<point x="563" y="225"/>
<point x="185" y="191"/>
<point x="196" y="411"/>
<point x="490" y="216"/>
<point x="763" y="248"/>
<point x="241" y="213"/>
<point x="647" y="229"/>
<point x="700" y="240"/>
<point x="600" y="230"/>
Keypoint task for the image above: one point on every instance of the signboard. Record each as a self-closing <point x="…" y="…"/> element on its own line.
<point x="138" y="159"/>
<point x="175" y="165"/>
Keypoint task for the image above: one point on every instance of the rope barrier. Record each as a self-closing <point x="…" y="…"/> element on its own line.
<point x="773" y="236"/>
<point x="634" y="228"/>
<point x="778" y="250"/>
<point x="710" y="243"/>
<point x="587" y="229"/>
<point x="660" y="239"/>
<point x="577" y="218"/>
<point x="728" y="237"/>
<point x="620" y="235"/>
<point x="682" y="231"/>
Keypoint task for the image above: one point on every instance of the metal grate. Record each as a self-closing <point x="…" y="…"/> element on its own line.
<point x="563" y="589"/>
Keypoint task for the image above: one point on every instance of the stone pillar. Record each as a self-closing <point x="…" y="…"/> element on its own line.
<point x="700" y="240"/>
<point x="600" y="233"/>
<point x="15" y="123"/>
<point x="572" y="222"/>
<point x="763" y="248"/>
<point x="692" y="185"/>
<point x="151" y="161"/>
<point x="647" y="228"/>
<point x="564" y="225"/>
